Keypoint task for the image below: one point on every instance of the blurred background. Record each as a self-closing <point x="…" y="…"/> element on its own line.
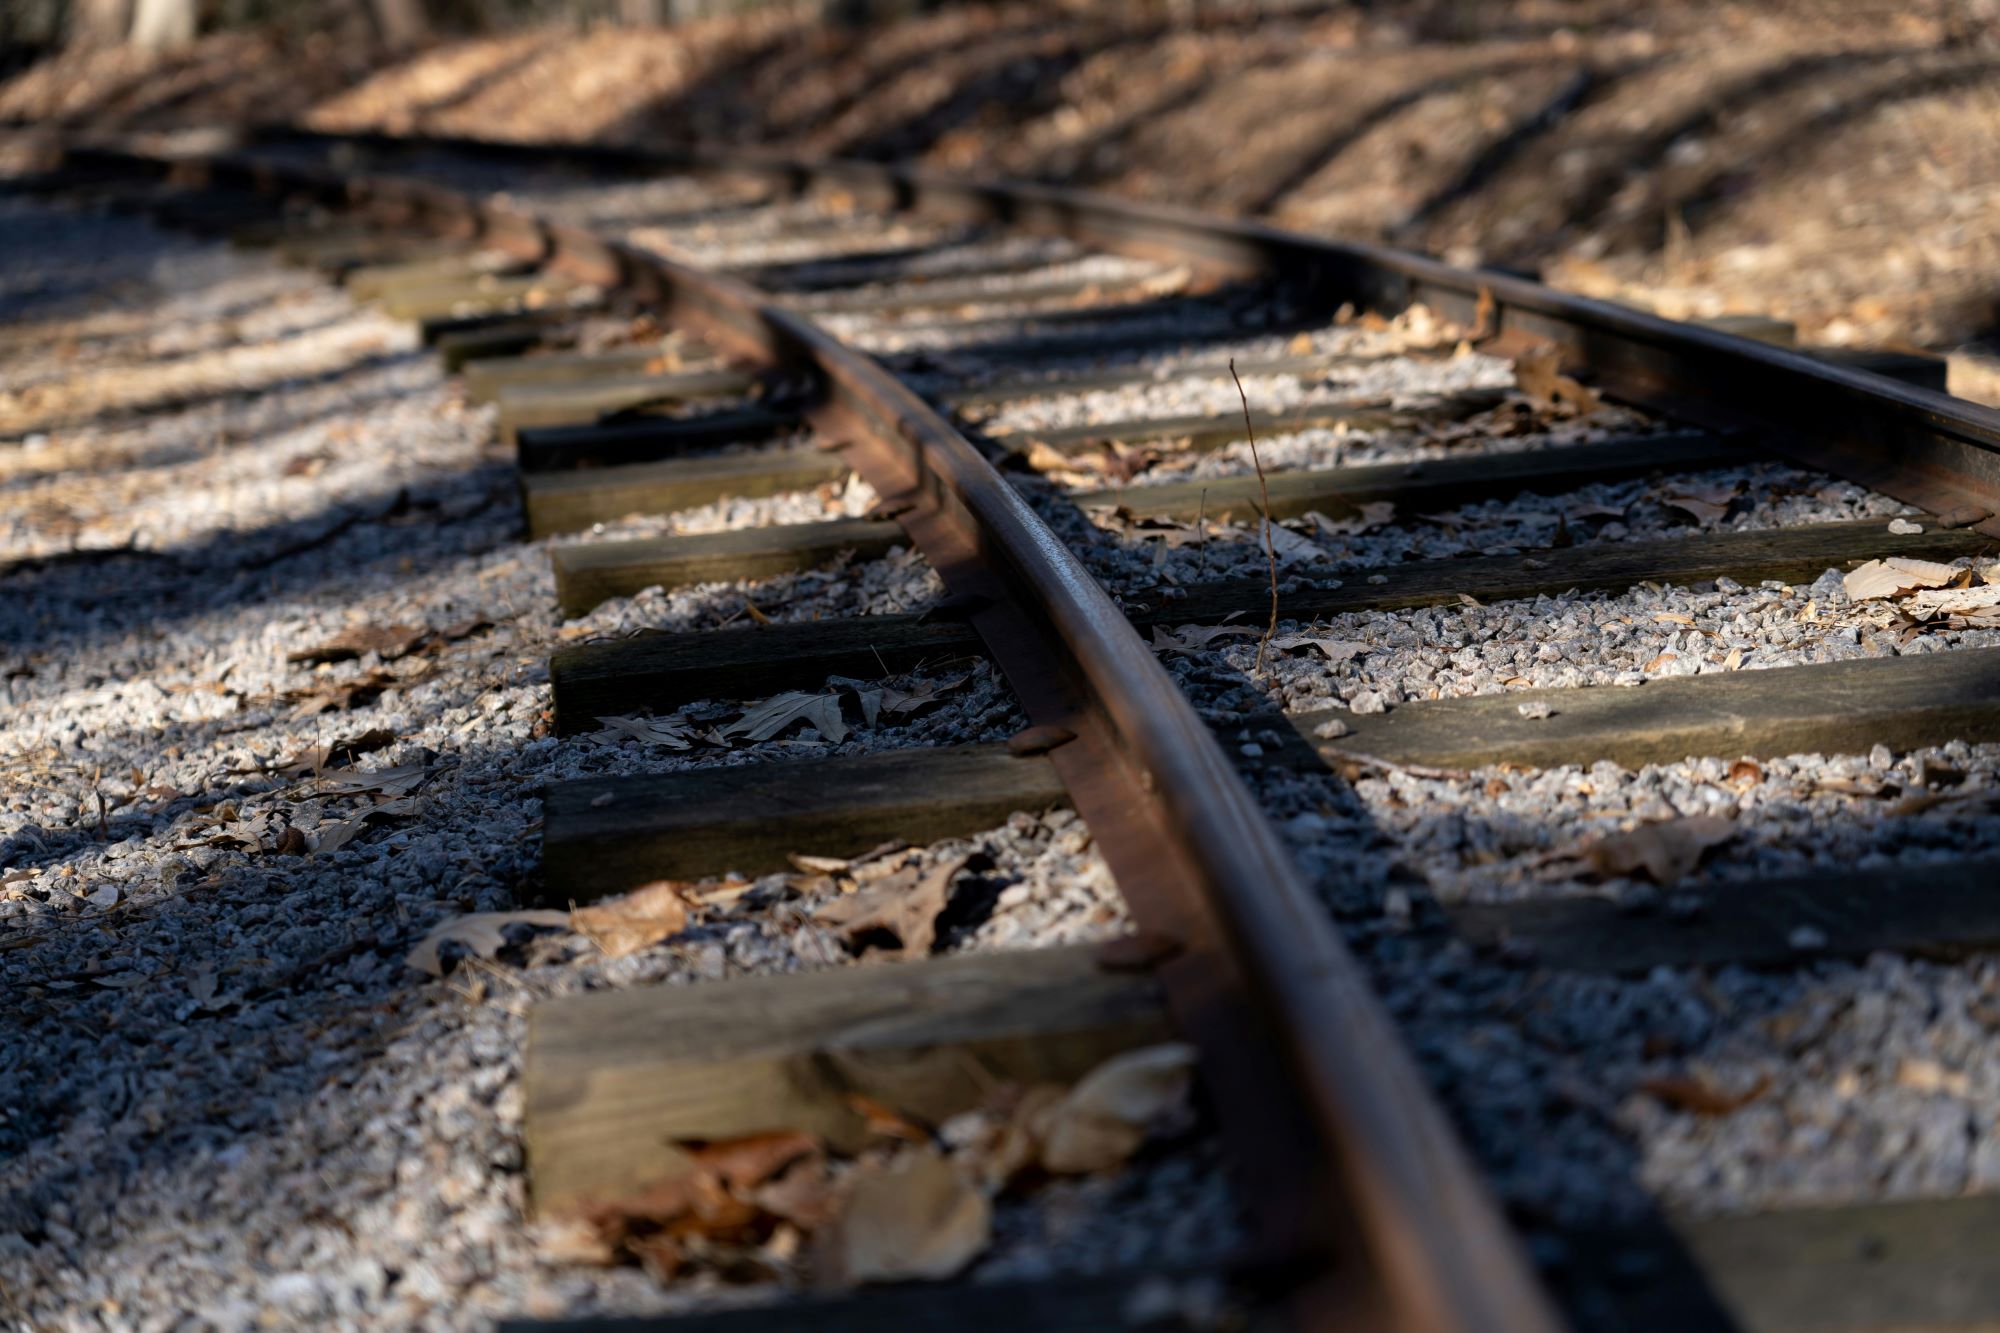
<point x="1836" y="164"/>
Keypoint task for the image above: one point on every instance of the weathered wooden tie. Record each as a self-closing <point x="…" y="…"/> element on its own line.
<point x="951" y="293"/>
<point x="591" y="574"/>
<point x="571" y="501"/>
<point x="1943" y="909"/>
<point x="613" y="1079"/>
<point x="647" y="438"/>
<point x="996" y="392"/>
<point x="1214" y="430"/>
<point x="486" y="378"/>
<point x="665" y="671"/>
<point x="481" y="294"/>
<point x="606" y="835"/>
<point x="384" y="282"/>
<point x="1892" y="1267"/>
<point x="1827" y="708"/>
<point x="1417" y="488"/>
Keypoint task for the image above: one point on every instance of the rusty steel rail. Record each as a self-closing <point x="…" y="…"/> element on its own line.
<point x="1346" y="1155"/>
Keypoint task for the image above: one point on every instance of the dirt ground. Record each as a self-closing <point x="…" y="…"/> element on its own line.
<point x="1834" y="163"/>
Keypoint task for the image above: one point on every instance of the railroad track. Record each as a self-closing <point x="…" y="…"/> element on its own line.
<point x="1039" y="391"/>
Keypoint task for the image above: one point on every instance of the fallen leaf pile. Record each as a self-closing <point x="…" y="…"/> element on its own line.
<point x="1928" y="596"/>
<point x="914" y="1203"/>
<point x="1107" y="460"/>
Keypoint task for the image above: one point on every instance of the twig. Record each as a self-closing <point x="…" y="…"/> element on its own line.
<point x="1270" y="542"/>
<point x="1201" y="534"/>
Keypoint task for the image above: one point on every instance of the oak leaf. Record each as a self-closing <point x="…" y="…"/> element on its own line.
<point x="1666" y="850"/>
<point x="624" y="925"/>
<point x="919" y="1218"/>
<point x="480" y="934"/>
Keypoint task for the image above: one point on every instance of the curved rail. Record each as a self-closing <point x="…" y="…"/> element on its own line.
<point x="1257" y="964"/>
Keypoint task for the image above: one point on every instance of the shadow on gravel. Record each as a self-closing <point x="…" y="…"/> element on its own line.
<point x="171" y="400"/>
<point x="1508" y="1047"/>
<point x="70" y="604"/>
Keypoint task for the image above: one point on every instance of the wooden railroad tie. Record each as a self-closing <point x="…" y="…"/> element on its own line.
<point x="572" y="501"/>
<point x="487" y="378"/>
<point x="640" y="437"/>
<point x="592" y="573"/>
<point x="613" y="1079"/>
<point x="661" y="672"/>
<point x="588" y="575"/>
<point x="604" y="836"/>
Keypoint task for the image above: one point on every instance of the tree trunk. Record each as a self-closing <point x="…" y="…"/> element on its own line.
<point x="162" y="23"/>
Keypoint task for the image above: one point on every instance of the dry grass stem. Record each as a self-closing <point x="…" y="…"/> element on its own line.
<point x="1270" y="542"/>
<point x="1201" y="534"/>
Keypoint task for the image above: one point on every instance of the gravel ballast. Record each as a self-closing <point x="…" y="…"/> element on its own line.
<point x="226" y="1098"/>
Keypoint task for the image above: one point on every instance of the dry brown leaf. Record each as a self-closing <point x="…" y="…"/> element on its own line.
<point x="1290" y="547"/>
<point x="339" y="697"/>
<point x="571" y="1240"/>
<point x="1195" y="638"/>
<point x="1366" y="517"/>
<point x="1951" y="601"/>
<point x="775" y="715"/>
<point x="1745" y="773"/>
<point x="1692" y="1092"/>
<point x="339" y="753"/>
<point x="747" y="1162"/>
<point x="1538" y="375"/>
<point x="480" y="934"/>
<point x="1336" y="650"/>
<point x="1702" y="511"/>
<point x="1660" y="661"/>
<point x="647" y="731"/>
<point x="1012" y="1148"/>
<point x="624" y="925"/>
<point x="920" y="1218"/>
<point x="804" y="1194"/>
<point x="387" y="641"/>
<point x="1665" y="850"/>
<point x="1899" y="574"/>
<point x="885" y="1121"/>
<point x="400" y="780"/>
<point x="1105" y="1117"/>
<point x="901" y="904"/>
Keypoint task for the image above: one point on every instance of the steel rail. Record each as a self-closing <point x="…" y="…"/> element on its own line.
<point x="1416" y="1240"/>
<point x="1925" y="448"/>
